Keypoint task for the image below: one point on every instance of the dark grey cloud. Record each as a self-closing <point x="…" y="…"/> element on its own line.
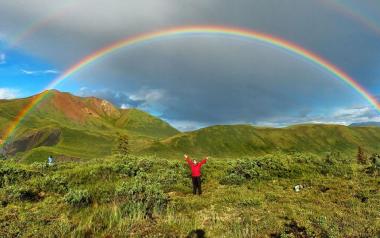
<point x="214" y="81"/>
<point x="204" y="80"/>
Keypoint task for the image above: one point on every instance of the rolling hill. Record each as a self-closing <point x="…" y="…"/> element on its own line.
<point x="70" y="128"/>
<point x="76" y="127"/>
<point x="240" y="140"/>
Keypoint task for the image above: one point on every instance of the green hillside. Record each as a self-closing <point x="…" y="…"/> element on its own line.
<point x="74" y="127"/>
<point x="144" y="124"/>
<point x="236" y="140"/>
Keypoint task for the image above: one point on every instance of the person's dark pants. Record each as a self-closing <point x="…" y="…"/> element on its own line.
<point x="197" y="185"/>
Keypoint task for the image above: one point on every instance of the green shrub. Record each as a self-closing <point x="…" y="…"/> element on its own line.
<point x="132" y="167"/>
<point x="337" y="165"/>
<point x="78" y="198"/>
<point x="23" y="193"/>
<point x="232" y="179"/>
<point x="142" y="195"/>
<point x="173" y="176"/>
<point x="55" y="183"/>
<point x="374" y="168"/>
<point x="90" y="172"/>
<point x="40" y="166"/>
<point x="102" y="192"/>
<point x="262" y="168"/>
<point x="12" y="174"/>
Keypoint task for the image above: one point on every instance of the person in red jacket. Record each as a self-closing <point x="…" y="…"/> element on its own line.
<point x="196" y="173"/>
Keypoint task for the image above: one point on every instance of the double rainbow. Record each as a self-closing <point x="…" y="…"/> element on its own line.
<point x="191" y="31"/>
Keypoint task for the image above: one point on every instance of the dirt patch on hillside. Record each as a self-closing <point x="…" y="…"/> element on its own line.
<point x="71" y="108"/>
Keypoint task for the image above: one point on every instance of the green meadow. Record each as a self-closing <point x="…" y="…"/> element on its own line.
<point x="142" y="196"/>
<point x="96" y="190"/>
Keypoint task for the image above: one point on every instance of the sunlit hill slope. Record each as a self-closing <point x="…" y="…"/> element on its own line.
<point x="72" y="128"/>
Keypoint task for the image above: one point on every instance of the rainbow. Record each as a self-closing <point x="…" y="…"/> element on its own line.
<point x="41" y="23"/>
<point x="11" y="129"/>
<point x="353" y="13"/>
<point x="191" y="31"/>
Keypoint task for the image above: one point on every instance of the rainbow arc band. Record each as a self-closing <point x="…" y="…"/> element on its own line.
<point x="351" y="11"/>
<point x="183" y="31"/>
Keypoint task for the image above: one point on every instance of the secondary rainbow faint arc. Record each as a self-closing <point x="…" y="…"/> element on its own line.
<point x="353" y="13"/>
<point x="194" y="30"/>
<point x="41" y="23"/>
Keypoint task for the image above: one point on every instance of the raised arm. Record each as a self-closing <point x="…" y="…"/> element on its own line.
<point x="204" y="160"/>
<point x="187" y="158"/>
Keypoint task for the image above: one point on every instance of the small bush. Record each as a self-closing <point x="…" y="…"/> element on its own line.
<point x="78" y="198"/>
<point x="232" y="179"/>
<point x="10" y="174"/>
<point x="55" y="183"/>
<point x="133" y="167"/>
<point x="262" y="168"/>
<point x="23" y="193"/>
<point x="142" y="196"/>
<point x="374" y="168"/>
<point x="337" y="165"/>
<point x="40" y="166"/>
<point x="174" y="176"/>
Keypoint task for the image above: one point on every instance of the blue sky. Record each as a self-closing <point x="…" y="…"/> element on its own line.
<point x="198" y="81"/>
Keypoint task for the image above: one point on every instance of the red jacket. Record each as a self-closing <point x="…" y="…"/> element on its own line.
<point x="196" y="168"/>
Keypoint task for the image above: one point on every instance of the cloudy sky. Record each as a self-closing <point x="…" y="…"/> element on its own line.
<point x="199" y="80"/>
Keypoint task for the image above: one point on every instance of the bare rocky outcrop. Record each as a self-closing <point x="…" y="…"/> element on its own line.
<point x="33" y="139"/>
<point x="103" y="107"/>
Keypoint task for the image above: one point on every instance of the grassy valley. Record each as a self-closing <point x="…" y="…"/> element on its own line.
<point x="249" y="181"/>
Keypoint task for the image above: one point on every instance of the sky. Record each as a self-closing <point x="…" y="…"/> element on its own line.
<point x="199" y="80"/>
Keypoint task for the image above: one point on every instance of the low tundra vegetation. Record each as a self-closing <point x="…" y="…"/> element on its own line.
<point x="140" y="196"/>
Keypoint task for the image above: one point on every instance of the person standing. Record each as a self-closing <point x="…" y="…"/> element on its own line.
<point x="50" y="160"/>
<point x="196" y="173"/>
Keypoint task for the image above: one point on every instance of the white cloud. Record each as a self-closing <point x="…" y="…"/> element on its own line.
<point x="39" y="72"/>
<point x="148" y="96"/>
<point x="150" y="100"/>
<point x="357" y="114"/>
<point x="143" y="99"/>
<point x="50" y="71"/>
<point x="341" y="116"/>
<point x="8" y="93"/>
<point x="183" y="125"/>
<point x="125" y="106"/>
<point x="2" y="58"/>
<point x="27" y="71"/>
